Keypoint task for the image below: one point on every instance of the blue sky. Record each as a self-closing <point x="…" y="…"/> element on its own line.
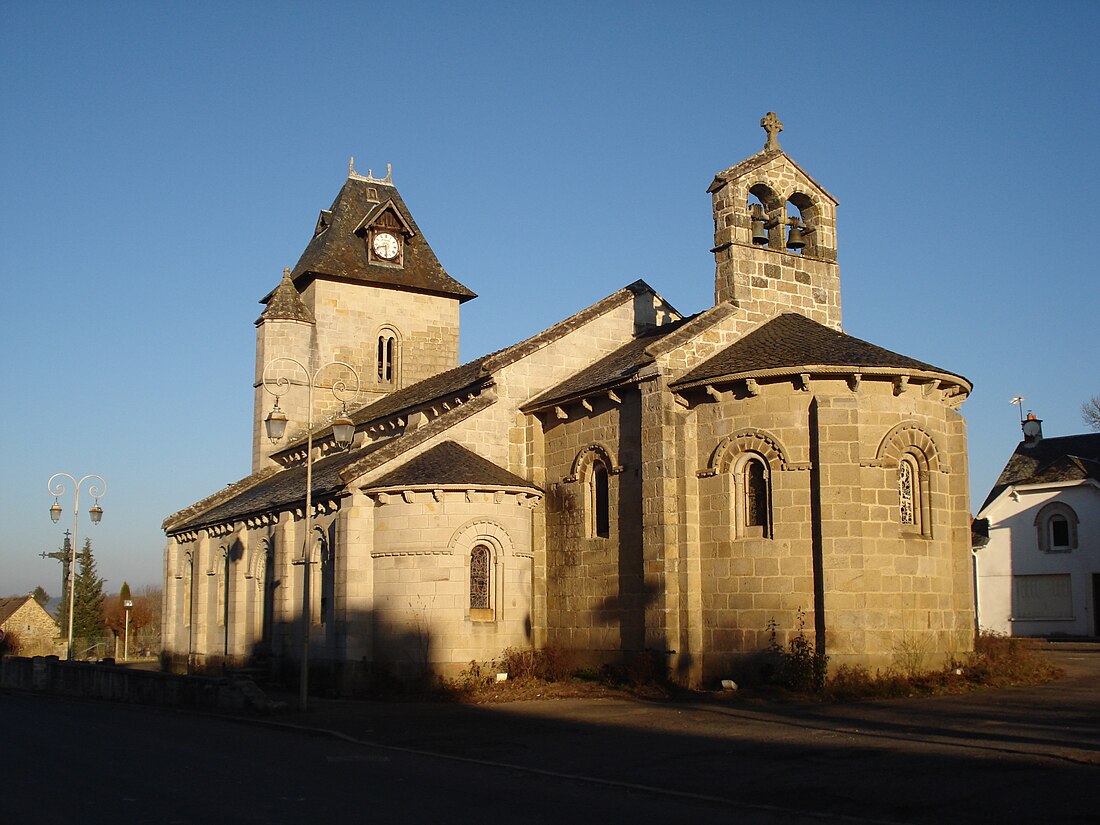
<point x="161" y="163"/>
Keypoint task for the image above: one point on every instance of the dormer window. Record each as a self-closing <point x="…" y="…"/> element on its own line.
<point x="385" y="231"/>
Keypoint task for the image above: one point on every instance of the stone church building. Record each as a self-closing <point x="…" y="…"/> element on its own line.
<point x="629" y="479"/>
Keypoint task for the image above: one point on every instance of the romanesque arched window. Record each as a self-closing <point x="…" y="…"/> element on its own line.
<point x="1056" y="526"/>
<point x="908" y="491"/>
<point x="756" y="494"/>
<point x="752" y="508"/>
<point x="914" y="495"/>
<point x="387" y="356"/>
<point x="600" y="522"/>
<point x="321" y="577"/>
<point x="481" y="578"/>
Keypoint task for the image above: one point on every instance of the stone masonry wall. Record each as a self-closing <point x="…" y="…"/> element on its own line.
<point x="886" y="590"/>
<point x="594" y="595"/>
<point x="422" y="617"/>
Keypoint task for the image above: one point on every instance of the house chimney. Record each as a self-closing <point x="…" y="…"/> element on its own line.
<point x="1033" y="429"/>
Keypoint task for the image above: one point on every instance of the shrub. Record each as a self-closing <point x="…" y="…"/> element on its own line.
<point x="801" y="666"/>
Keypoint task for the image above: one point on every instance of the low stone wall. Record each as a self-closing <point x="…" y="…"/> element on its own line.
<point x="49" y="674"/>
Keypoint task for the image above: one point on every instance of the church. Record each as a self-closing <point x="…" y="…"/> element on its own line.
<point x="630" y="479"/>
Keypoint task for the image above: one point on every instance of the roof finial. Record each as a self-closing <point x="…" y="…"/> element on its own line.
<point x="286" y="271"/>
<point x="351" y="166"/>
<point x="773" y="127"/>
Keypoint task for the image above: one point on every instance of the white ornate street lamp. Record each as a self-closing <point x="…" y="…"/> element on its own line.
<point x="343" y="432"/>
<point x="97" y="489"/>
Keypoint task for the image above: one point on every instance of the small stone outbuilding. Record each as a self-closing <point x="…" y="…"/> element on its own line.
<point x="28" y="629"/>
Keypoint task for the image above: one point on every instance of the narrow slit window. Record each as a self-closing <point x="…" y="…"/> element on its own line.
<point x="387" y="357"/>
<point x="600" y="501"/>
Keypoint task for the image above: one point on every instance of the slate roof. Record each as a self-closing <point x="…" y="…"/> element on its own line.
<point x="1065" y="458"/>
<point x="275" y="491"/>
<point x="9" y="604"/>
<point x="449" y="464"/>
<point x="285" y="304"/>
<point x="791" y="340"/>
<point x="337" y="251"/>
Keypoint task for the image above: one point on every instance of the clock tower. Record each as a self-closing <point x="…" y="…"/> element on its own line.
<point x="368" y="291"/>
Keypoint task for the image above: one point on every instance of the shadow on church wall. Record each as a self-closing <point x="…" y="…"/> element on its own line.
<point x="391" y="656"/>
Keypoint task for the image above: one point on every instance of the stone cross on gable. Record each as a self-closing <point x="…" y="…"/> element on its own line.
<point x="773" y="127"/>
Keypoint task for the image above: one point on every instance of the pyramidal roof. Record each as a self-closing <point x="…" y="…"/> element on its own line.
<point x="338" y="248"/>
<point x="285" y="304"/>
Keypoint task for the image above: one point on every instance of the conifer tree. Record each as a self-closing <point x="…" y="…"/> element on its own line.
<point x="88" y="596"/>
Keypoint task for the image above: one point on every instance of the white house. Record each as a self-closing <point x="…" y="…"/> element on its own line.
<point x="1039" y="573"/>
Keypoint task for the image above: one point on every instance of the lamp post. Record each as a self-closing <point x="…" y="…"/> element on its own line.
<point x="128" y="604"/>
<point x="343" y="431"/>
<point x="56" y="488"/>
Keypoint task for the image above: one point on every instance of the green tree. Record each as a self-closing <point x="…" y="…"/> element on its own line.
<point x="40" y="595"/>
<point x="87" y="596"/>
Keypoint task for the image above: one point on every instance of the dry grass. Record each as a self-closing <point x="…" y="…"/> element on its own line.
<point x="997" y="661"/>
<point x="551" y="673"/>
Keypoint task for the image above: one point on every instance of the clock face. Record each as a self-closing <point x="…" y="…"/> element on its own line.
<point x="385" y="246"/>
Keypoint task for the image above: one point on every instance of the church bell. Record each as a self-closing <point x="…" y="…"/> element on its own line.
<point x="794" y="237"/>
<point x="759" y="231"/>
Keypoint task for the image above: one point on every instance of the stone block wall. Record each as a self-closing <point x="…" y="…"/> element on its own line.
<point x="595" y="600"/>
<point x="423" y="620"/>
<point x="874" y="587"/>
<point x="350" y="317"/>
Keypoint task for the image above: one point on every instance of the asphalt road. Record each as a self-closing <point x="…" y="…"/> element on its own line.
<point x="1017" y="755"/>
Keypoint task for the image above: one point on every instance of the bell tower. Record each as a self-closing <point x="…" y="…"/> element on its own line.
<point x="775" y="237"/>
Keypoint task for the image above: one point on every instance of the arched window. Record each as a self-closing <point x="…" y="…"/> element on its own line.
<point x="752" y="514"/>
<point x="801" y="221"/>
<point x="907" y="492"/>
<point x="320" y="581"/>
<point x="1056" y="525"/>
<point x="914" y="495"/>
<point x="601" y="514"/>
<point x="756" y="495"/>
<point x="765" y="208"/>
<point x="387" y="357"/>
<point x="480" y="580"/>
